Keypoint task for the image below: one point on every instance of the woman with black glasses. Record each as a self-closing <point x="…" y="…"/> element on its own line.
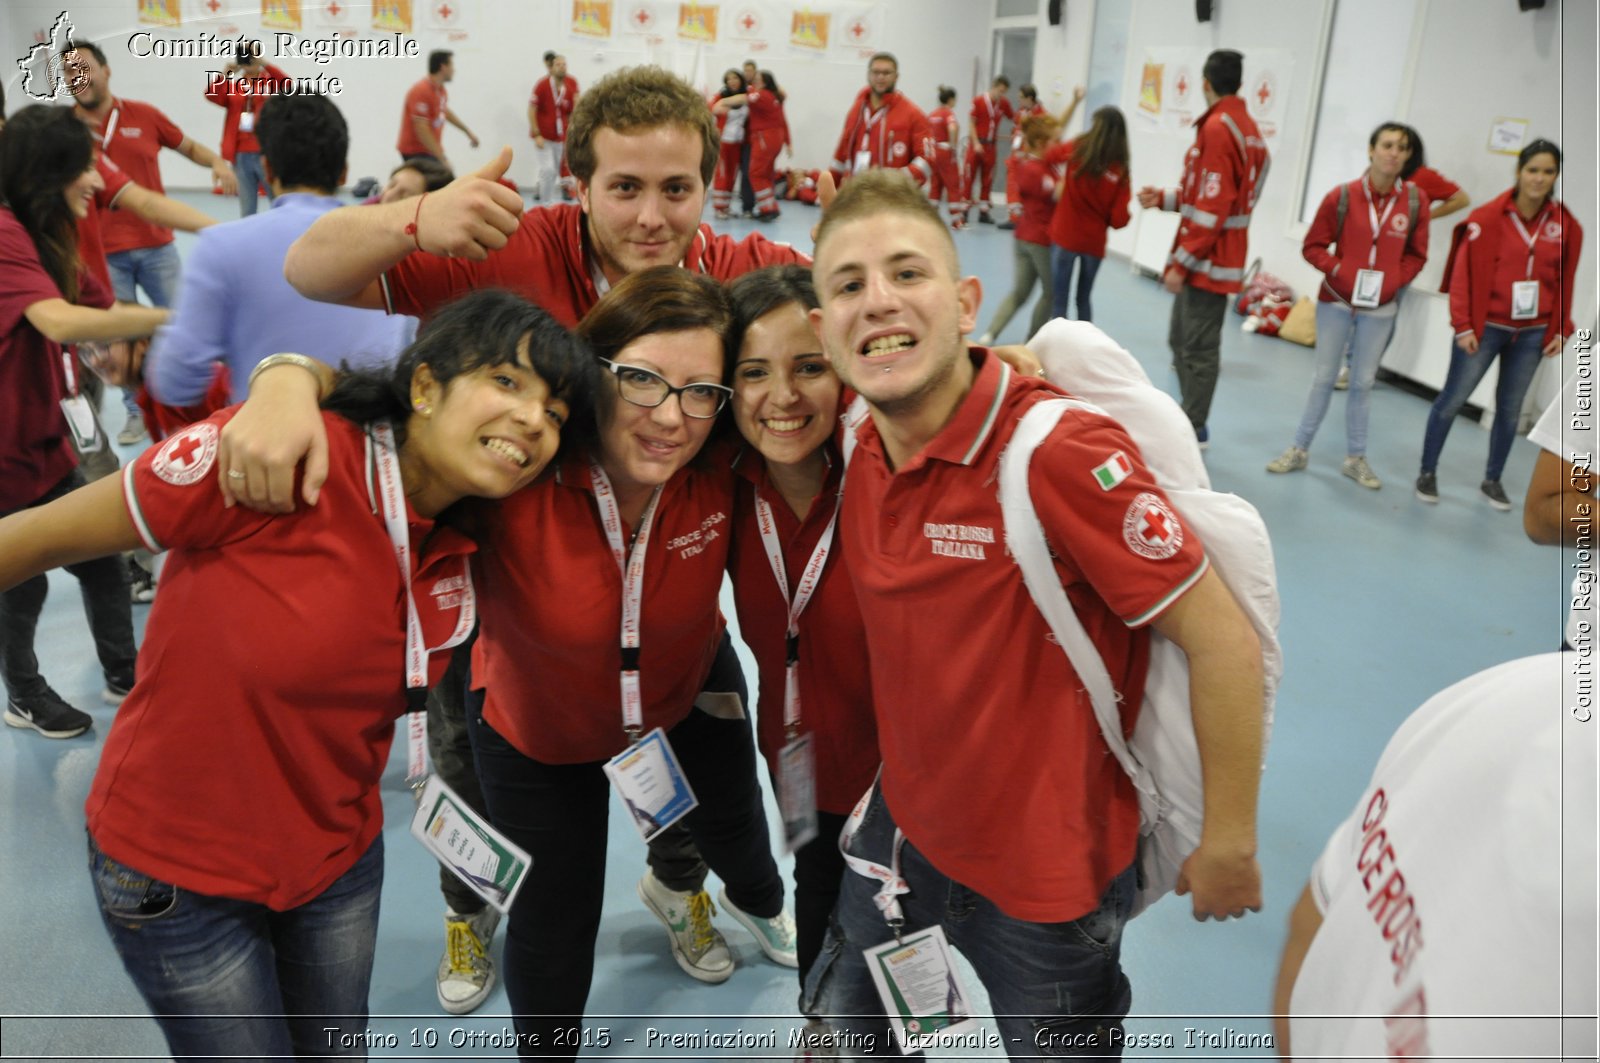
<point x="607" y="630"/>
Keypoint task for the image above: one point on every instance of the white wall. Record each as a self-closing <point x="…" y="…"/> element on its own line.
<point x="1061" y="56"/>
<point x="497" y="63"/>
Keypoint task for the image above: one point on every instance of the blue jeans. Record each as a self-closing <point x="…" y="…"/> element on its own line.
<point x="1366" y="333"/>
<point x="1520" y="352"/>
<point x="155" y="269"/>
<point x="1052" y="986"/>
<point x="1061" y="263"/>
<point x="230" y="977"/>
<point x="247" y="167"/>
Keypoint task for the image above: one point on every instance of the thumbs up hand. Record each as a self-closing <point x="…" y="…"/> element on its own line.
<point x="472" y="215"/>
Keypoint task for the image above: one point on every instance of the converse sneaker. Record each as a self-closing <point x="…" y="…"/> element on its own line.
<point x="1496" y="495"/>
<point x="141" y="584"/>
<point x="696" y="944"/>
<point x="48" y="714"/>
<point x="1428" y="488"/>
<point x="774" y="935"/>
<point x="466" y="973"/>
<point x="1358" y="470"/>
<point x="1292" y="460"/>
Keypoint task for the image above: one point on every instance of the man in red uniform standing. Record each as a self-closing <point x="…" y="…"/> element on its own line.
<point x="883" y="128"/>
<point x="974" y="848"/>
<point x="131" y="134"/>
<point x="427" y="110"/>
<point x="983" y="134"/>
<point x="549" y="114"/>
<point x="1222" y="177"/>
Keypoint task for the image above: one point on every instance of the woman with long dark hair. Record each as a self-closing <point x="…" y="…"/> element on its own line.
<point x="767" y="133"/>
<point x="1510" y="274"/>
<point x="48" y="302"/>
<point x="1093" y="199"/>
<point x="236" y="819"/>
<point x="731" y="121"/>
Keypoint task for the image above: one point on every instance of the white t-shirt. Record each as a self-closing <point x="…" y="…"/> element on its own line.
<point x="1442" y="895"/>
<point x="1567" y="429"/>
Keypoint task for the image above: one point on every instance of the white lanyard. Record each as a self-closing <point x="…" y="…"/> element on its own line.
<point x="69" y="371"/>
<point x="391" y="493"/>
<point x="809" y="578"/>
<point x="871" y="119"/>
<point x="1530" y="239"/>
<point x="111" y="127"/>
<point x="630" y="563"/>
<point x="892" y="885"/>
<point x="1377" y="222"/>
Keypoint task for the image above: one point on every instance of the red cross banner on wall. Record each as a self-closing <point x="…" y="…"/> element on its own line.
<point x="336" y="14"/>
<point x="279" y="14"/>
<point x="1267" y="76"/>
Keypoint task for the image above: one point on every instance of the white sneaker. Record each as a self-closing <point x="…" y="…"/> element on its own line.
<point x="774" y="935"/>
<point x="466" y="973"/>
<point x="697" y="945"/>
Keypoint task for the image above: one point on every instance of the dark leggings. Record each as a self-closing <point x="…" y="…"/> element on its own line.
<point x="559" y="812"/>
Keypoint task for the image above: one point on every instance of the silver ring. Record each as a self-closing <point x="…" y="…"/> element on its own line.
<point x="236" y="474"/>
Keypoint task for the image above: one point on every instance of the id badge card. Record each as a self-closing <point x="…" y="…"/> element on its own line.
<point x="797" y="792"/>
<point x="486" y="860"/>
<point x="863" y="161"/>
<point x="1524" y="300"/>
<point x="649" y="779"/>
<point x="247" y="122"/>
<point x="923" y="997"/>
<point x="1369" y="288"/>
<point x="81" y="420"/>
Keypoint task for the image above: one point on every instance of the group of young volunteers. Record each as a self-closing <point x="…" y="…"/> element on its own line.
<point x="1510" y="271"/>
<point x="549" y="464"/>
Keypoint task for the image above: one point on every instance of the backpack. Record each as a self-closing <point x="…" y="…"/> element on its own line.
<point x="1413" y="204"/>
<point x="1162" y="757"/>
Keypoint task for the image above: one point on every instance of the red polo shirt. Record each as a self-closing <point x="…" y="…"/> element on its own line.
<point x="835" y="685"/>
<point x="246" y="761"/>
<point x="424" y="100"/>
<point x="549" y="647"/>
<point x="986" y="115"/>
<point x="133" y="135"/>
<point x="993" y="763"/>
<point x="1435" y="186"/>
<point x="35" y="453"/>
<point x="547" y="261"/>
<point x="90" y="246"/>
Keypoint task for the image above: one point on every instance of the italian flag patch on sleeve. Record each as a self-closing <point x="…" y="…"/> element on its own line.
<point x="1115" y="470"/>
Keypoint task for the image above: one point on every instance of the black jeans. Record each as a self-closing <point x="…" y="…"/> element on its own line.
<point x="818" y="871"/>
<point x="1195" y="336"/>
<point x="104" y="582"/>
<point x="559" y="813"/>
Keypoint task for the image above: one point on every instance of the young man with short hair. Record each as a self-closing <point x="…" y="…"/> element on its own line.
<point x="983" y="137"/>
<point x="882" y="128"/>
<point x="1223" y="172"/>
<point x="998" y="807"/>
<point x="427" y="109"/>
<point x="549" y="117"/>
<point x="131" y="133"/>
<point x="642" y="147"/>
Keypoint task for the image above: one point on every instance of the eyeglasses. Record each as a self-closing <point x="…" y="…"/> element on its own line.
<point x="644" y="388"/>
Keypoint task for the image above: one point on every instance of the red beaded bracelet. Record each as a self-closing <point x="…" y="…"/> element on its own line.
<point x="411" y="230"/>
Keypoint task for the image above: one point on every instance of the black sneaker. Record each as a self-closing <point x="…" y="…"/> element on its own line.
<point x="116" y="691"/>
<point x="1496" y="495"/>
<point x="1428" y="488"/>
<point x="47" y="714"/>
<point x="984" y="219"/>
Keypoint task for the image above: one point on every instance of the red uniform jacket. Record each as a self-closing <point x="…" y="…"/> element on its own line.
<point x="986" y="115"/>
<point x="239" y="96"/>
<point x="896" y="134"/>
<point x="1556" y="248"/>
<point x="1088" y="205"/>
<point x="1222" y="177"/>
<point x="1402" y="247"/>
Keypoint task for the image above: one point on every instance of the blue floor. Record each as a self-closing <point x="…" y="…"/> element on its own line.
<point x="1385" y="601"/>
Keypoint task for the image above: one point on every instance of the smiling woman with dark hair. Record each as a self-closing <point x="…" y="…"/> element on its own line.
<point x="47" y="300"/>
<point x="235" y="822"/>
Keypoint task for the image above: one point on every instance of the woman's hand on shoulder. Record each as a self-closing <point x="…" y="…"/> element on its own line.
<point x="264" y="443"/>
